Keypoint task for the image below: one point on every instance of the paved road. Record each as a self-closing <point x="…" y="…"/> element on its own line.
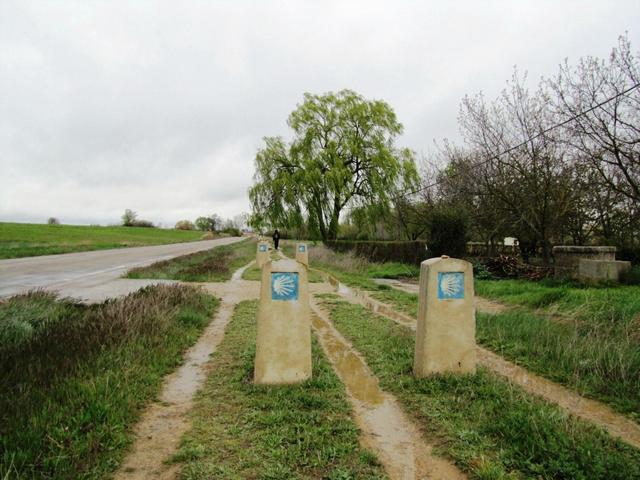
<point x="91" y="276"/>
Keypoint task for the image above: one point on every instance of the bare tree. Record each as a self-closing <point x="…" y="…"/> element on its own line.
<point x="607" y="136"/>
<point x="532" y="183"/>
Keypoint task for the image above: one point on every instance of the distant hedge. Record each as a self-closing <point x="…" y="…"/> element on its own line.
<point x="377" y="251"/>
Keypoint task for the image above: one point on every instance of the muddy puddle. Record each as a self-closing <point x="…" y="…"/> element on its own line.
<point x="158" y="433"/>
<point x="385" y="429"/>
<point x="591" y="410"/>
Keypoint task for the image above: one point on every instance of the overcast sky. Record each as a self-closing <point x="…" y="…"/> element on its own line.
<point x="161" y="106"/>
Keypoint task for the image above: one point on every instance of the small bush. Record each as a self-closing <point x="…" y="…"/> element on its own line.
<point x="232" y="231"/>
<point x="480" y="271"/>
<point x="185" y="225"/>
<point x="130" y="219"/>
<point x="632" y="277"/>
<point x="143" y="224"/>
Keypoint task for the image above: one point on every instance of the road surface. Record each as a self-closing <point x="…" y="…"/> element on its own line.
<point x="91" y="276"/>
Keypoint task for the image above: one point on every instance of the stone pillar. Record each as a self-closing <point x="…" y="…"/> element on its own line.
<point x="283" y="343"/>
<point x="446" y="331"/>
<point x="302" y="253"/>
<point x="262" y="255"/>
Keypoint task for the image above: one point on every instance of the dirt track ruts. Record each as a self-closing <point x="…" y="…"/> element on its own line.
<point x="593" y="411"/>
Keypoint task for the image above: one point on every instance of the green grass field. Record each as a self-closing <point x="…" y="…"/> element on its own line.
<point x="28" y="239"/>
<point x="75" y="378"/>
<point x="214" y="265"/>
<point x="492" y="429"/>
<point x="241" y="430"/>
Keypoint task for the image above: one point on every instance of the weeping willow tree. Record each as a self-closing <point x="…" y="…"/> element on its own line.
<point x="342" y="156"/>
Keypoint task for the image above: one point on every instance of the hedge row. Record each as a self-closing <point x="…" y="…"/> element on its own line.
<point x="376" y="251"/>
<point x="416" y="252"/>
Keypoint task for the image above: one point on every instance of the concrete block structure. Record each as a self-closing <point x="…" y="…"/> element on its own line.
<point x="283" y="342"/>
<point x="568" y="257"/>
<point x="602" y="270"/>
<point x="446" y="331"/>
<point x="262" y="254"/>
<point x="302" y="253"/>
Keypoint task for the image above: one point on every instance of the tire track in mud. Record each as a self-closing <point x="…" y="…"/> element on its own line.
<point x="157" y="435"/>
<point x="593" y="411"/>
<point x="385" y="429"/>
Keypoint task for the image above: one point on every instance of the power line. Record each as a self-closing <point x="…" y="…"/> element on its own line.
<point x="539" y="134"/>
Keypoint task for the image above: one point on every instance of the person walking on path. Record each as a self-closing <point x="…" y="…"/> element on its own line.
<point x="276" y="238"/>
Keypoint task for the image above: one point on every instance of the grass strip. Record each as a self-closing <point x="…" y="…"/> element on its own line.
<point x="241" y="430"/>
<point x="597" y="357"/>
<point x="75" y="378"/>
<point x="351" y="270"/>
<point x="27" y="239"/>
<point x="591" y="363"/>
<point x="613" y="310"/>
<point x="254" y="273"/>
<point x="491" y="428"/>
<point x="404" y="302"/>
<point x="214" y="265"/>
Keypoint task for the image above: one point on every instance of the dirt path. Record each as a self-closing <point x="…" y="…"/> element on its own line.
<point x="385" y="429"/>
<point x="591" y="410"/>
<point x="158" y="433"/>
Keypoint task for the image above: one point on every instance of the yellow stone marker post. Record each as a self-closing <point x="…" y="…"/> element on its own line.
<point x="283" y="343"/>
<point x="446" y="332"/>
<point x="262" y="254"/>
<point x="302" y="253"/>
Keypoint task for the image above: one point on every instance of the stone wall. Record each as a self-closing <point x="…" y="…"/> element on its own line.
<point x="567" y="259"/>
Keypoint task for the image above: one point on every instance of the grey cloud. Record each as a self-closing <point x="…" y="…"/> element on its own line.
<point x="161" y="106"/>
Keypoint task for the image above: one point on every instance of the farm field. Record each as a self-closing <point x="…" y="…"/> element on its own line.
<point x="28" y="239"/>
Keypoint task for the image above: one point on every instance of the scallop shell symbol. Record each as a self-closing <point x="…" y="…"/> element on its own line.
<point x="450" y="285"/>
<point x="283" y="286"/>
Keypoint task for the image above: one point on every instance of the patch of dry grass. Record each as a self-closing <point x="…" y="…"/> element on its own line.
<point x="75" y="377"/>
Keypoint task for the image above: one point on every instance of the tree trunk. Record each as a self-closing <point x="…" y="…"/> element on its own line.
<point x="335" y="220"/>
<point x="333" y="227"/>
